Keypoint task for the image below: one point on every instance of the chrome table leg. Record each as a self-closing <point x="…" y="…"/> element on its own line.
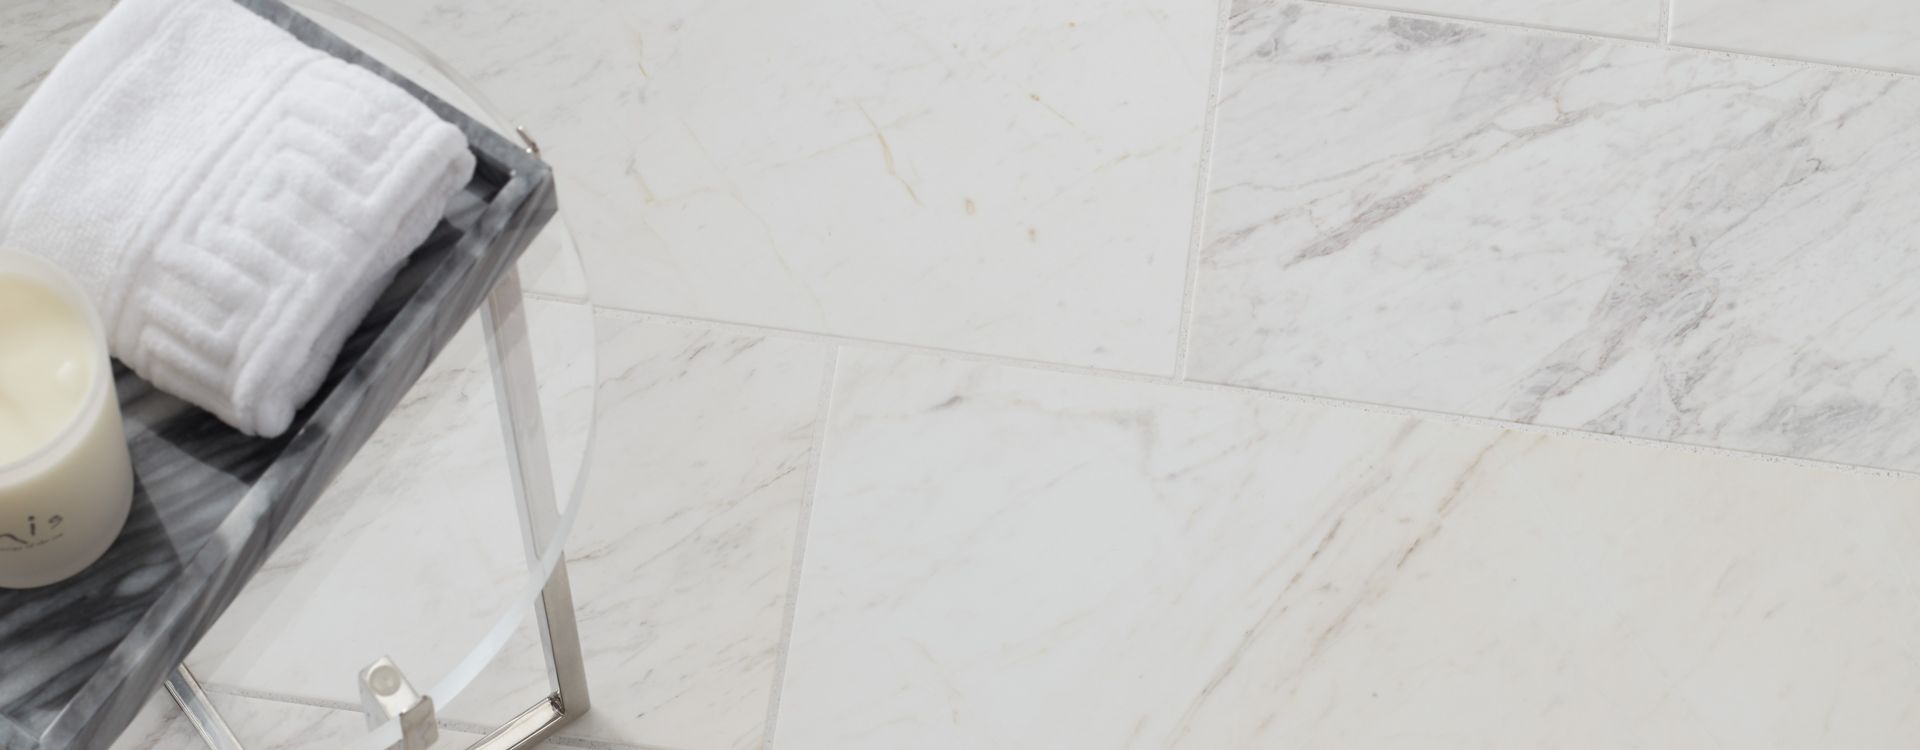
<point x="508" y="347"/>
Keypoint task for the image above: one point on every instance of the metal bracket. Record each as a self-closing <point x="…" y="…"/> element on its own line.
<point x="504" y="320"/>
<point x="386" y="695"/>
<point x="193" y="701"/>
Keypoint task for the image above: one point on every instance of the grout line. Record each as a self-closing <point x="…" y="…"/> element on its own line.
<point x="1666" y="21"/>
<point x="1481" y="22"/>
<point x="1348" y="405"/>
<point x="1202" y="190"/>
<point x="273" y="697"/>
<point x="755" y="329"/>
<point x="822" y="413"/>
<point x="1646" y="43"/>
<point x="1808" y="62"/>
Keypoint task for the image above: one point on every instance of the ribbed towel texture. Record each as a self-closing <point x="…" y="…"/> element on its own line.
<point x="232" y="200"/>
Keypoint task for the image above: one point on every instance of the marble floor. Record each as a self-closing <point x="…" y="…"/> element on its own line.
<point x="1170" y="373"/>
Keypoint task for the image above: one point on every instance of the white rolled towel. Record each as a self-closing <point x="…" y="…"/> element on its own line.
<point x="233" y="200"/>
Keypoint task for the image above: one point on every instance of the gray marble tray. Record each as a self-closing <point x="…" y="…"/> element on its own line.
<point x="78" y="659"/>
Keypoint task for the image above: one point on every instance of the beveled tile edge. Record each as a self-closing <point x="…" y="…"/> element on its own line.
<point x="1660" y="18"/>
<point x="1813" y="63"/>
<point x="1203" y="190"/>
<point x="823" y="408"/>
<point x="1664" y="40"/>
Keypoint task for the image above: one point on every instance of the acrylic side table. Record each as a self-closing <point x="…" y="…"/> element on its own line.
<point x="237" y="545"/>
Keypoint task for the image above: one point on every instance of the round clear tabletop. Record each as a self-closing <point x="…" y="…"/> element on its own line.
<point x="434" y="559"/>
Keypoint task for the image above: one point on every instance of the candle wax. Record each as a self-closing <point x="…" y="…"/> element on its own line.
<point x="46" y="366"/>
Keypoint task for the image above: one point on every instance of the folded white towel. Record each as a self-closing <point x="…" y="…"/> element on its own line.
<point x="232" y="200"/>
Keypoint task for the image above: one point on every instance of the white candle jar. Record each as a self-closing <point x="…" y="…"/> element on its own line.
<point x="66" y="481"/>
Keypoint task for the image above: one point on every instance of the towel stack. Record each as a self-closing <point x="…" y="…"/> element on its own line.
<point x="232" y="200"/>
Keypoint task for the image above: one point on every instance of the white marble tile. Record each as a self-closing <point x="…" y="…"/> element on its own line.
<point x="682" y="567"/>
<point x="551" y="266"/>
<point x="1871" y="33"/>
<point x="1637" y="19"/>
<point x="33" y="36"/>
<point x="1534" y="227"/>
<point x="680" y="564"/>
<point x="1001" y="177"/>
<point x="1012" y="558"/>
<point x="259" y="725"/>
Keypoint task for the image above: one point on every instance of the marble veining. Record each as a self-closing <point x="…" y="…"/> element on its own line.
<point x="1013" y="558"/>
<point x="1003" y="177"/>
<point x="682" y="564"/>
<point x="1502" y="222"/>
<point x="33" y="36"/>
<point x="1535" y="227"/>
<point x="77" y="658"/>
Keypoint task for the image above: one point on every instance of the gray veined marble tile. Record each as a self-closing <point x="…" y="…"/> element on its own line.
<point x="33" y="36"/>
<point x="1009" y="558"/>
<point x="1872" y="33"/>
<point x="1535" y="227"/>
